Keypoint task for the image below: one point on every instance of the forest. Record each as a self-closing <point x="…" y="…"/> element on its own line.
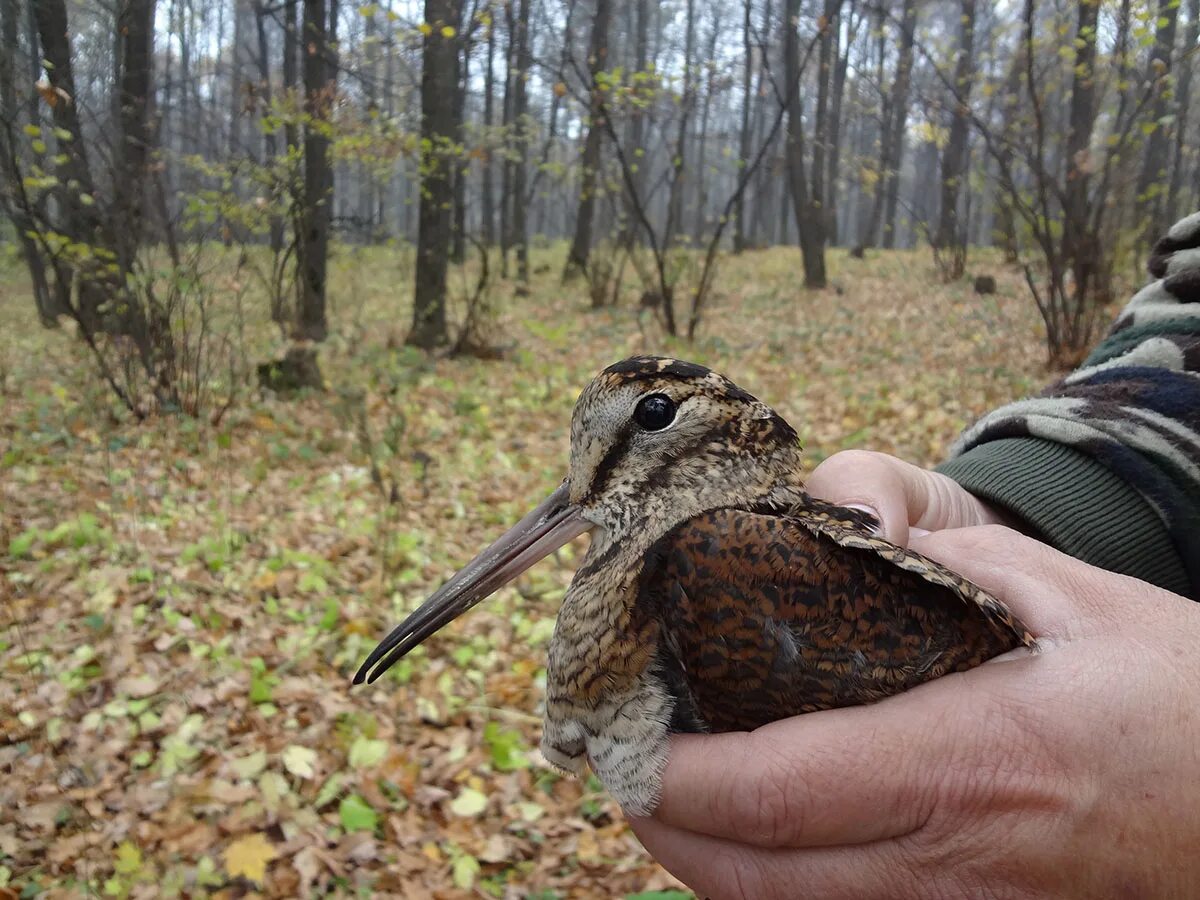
<point x="298" y="296"/>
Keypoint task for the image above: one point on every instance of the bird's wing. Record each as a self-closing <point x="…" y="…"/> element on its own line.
<point x="765" y="615"/>
<point x="850" y="528"/>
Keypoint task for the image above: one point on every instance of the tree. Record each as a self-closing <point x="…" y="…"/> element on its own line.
<point x="745" y="135"/>
<point x="438" y="129"/>
<point x="81" y="221"/>
<point x="523" y="58"/>
<point x="316" y="211"/>
<point x="577" y="257"/>
<point x="49" y="306"/>
<point x="1151" y="202"/>
<point x="808" y="213"/>
<point x="950" y="240"/>
<point x="687" y="100"/>
<point x="891" y="152"/>
<point x="1178" y="204"/>
<point x="487" y="200"/>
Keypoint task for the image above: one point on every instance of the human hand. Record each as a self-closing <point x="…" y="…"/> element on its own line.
<point x="907" y="499"/>
<point x="1070" y="772"/>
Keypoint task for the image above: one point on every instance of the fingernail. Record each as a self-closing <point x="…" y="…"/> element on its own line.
<point x="862" y="507"/>
<point x="870" y="511"/>
<point x="914" y="531"/>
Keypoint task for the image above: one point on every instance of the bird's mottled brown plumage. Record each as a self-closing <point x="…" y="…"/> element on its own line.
<point x="716" y="594"/>
<point x="765" y="614"/>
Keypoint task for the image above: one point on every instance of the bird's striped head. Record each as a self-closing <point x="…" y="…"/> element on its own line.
<point x="654" y="432"/>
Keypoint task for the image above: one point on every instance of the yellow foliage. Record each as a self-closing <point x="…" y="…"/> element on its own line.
<point x="248" y="856"/>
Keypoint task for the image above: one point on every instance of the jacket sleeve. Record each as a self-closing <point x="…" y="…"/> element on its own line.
<point x="1105" y="464"/>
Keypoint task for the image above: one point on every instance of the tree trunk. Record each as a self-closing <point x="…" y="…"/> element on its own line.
<point x="147" y="323"/>
<point x="701" y="179"/>
<point x="520" y="118"/>
<point x="270" y="137"/>
<point x="487" y="201"/>
<point x="768" y="174"/>
<point x="291" y="44"/>
<point x="829" y="23"/>
<point x="12" y="197"/>
<point x="317" y="209"/>
<point x="577" y="258"/>
<point x="838" y="92"/>
<point x="438" y="85"/>
<point x="1152" y="179"/>
<point x="80" y="221"/>
<point x="811" y="242"/>
<point x="887" y="201"/>
<point x="1177" y="204"/>
<point x="679" y="163"/>
<point x="637" y="125"/>
<point x="1080" y="249"/>
<point x="739" y="209"/>
<point x="136" y="24"/>
<point x="510" y="145"/>
<point x="951" y="236"/>
<point x="462" y="81"/>
<point x="1005" y="231"/>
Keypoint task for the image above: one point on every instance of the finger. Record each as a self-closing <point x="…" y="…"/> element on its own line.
<point x="724" y="870"/>
<point x="1055" y="594"/>
<point x="835" y="777"/>
<point x="864" y="480"/>
<point x="906" y="496"/>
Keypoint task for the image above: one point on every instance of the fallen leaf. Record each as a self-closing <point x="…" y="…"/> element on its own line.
<point x="300" y="760"/>
<point x="250" y="767"/>
<point x="356" y="814"/>
<point x="365" y="753"/>
<point x="469" y="802"/>
<point x="248" y="857"/>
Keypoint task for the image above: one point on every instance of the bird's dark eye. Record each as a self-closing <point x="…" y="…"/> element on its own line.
<point x="654" y="413"/>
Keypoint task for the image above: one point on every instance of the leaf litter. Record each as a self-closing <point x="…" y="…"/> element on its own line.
<point x="182" y="606"/>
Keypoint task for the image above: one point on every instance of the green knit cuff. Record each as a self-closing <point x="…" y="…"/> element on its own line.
<point x="1075" y="504"/>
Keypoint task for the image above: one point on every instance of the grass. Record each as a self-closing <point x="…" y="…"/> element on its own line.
<point x="182" y="605"/>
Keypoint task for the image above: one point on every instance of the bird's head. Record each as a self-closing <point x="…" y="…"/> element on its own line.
<point x="654" y="442"/>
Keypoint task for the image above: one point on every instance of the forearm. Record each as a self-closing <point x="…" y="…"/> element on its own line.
<point x="1105" y="465"/>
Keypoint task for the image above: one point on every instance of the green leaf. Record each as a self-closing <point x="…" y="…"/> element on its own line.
<point x="465" y="870"/>
<point x="506" y="747"/>
<point x="329" y="790"/>
<point x="356" y="814"/>
<point x="365" y="753"/>
<point x="468" y="803"/>
<point x="20" y="546"/>
<point x="129" y="859"/>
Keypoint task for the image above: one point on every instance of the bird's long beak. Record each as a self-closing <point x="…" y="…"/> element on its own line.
<point x="554" y="522"/>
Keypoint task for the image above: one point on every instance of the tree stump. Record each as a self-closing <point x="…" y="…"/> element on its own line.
<point x="297" y="370"/>
<point x="985" y="284"/>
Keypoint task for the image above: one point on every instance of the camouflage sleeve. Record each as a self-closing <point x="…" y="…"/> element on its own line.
<point x="1105" y="464"/>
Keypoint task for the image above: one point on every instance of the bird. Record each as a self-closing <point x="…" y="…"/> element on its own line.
<point x="716" y="594"/>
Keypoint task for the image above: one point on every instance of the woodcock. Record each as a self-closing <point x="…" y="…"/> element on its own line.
<point x="716" y="594"/>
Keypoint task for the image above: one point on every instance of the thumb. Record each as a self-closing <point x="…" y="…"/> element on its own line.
<point x="1055" y="594"/>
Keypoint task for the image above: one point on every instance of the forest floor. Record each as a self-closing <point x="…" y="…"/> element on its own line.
<point x="182" y="605"/>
